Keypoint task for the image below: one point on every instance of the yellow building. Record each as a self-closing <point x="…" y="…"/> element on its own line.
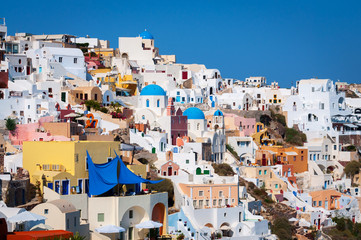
<point x="62" y="166"/>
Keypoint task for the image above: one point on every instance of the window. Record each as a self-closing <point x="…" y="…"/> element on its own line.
<point x="201" y="203"/>
<point x="86" y="163"/>
<point x="214" y="202"/>
<point x="322" y="106"/>
<point x="130" y="213"/>
<point x="314" y="203"/>
<point x="294" y="158"/>
<point x="326" y="148"/>
<point x="85" y="96"/>
<point x="200" y="193"/>
<point x="75" y="60"/>
<point x="60" y="59"/>
<point x="158" y="103"/>
<point x="220" y="202"/>
<point x="46" y="211"/>
<point x="276" y="185"/>
<point x="147" y="103"/>
<point x="194" y="203"/>
<point x="220" y="194"/>
<point x="187" y="161"/>
<point x="96" y="97"/>
<point x="100" y="217"/>
<point x="260" y="172"/>
<point x="275" y="96"/>
<point x="301" y="158"/>
<point x="320" y="203"/>
<point x="265" y="172"/>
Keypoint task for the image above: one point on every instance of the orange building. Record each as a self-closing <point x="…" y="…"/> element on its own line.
<point x="271" y="155"/>
<point x="211" y="195"/>
<point x="327" y="199"/>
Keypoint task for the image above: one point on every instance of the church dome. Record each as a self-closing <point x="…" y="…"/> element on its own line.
<point x="194" y="113"/>
<point x="146" y="35"/>
<point x="218" y="113"/>
<point x="152" y="90"/>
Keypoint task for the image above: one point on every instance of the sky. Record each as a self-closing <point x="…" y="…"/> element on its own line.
<point x="285" y="41"/>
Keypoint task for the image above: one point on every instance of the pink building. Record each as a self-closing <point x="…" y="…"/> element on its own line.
<point x="34" y="132"/>
<point x="169" y="168"/>
<point x="246" y="126"/>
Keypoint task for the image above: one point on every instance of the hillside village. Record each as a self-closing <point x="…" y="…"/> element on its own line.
<point x="127" y="143"/>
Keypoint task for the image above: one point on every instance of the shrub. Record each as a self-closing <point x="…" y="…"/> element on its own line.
<point x="295" y="137"/>
<point x="223" y="169"/>
<point x="281" y="119"/>
<point x="92" y="104"/>
<point x="164" y="186"/>
<point x="10" y="124"/>
<point x="180" y="236"/>
<point x="231" y="150"/>
<point x="104" y="109"/>
<point x="265" y="119"/>
<point x="282" y="228"/>
<point x="350" y="148"/>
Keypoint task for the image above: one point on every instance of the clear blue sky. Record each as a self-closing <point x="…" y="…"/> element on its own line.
<point x="282" y="40"/>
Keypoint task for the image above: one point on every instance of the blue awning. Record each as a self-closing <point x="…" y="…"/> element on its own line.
<point x="103" y="177"/>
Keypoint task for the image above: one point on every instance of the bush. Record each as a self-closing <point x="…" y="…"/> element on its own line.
<point x="164" y="186"/>
<point x="352" y="168"/>
<point x="282" y="228"/>
<point x="350" y="148"/>
<point x="295" y="137"/>
<point x="281" y="119"/>
<point x="104" y="109"/>
<point x="10" y="124"/>
<point x="92" y="104"/>
<point x="180" y="236"/>
<point x="223" y="169"/>
<point x="231" y="150"/>
<point x="265" y="119"/>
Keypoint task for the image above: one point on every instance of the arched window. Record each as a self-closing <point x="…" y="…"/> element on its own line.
<point x="158" y="103"/>
<point x="1" y="95"/>
<point x="198" y="126"/>
<point x="147" y="103"/>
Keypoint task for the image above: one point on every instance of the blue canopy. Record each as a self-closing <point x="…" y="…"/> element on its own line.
<point x="102" y="177"/>
<point x="126" y="176"/>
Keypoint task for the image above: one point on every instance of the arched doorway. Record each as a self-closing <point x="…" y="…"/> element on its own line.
<point x="1" y="95"/>
<point x="159" y="215"/>
<point x="211" y="91"/>
<point x="226" y="230"/>
<point x="132" y="217"/>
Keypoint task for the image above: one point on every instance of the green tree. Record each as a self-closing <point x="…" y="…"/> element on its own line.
<point x="265" y="119"/>
<point x="164" y="186"/>
<point x="282" y="228"/>
<point x="352" y="168"/>
<point x="10" y="124"/>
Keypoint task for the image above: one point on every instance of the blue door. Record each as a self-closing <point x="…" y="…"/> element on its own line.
<point x="57" y="186"/>
<point x="86" y="187"/>
<point x="65" y="187"/>
<point x="80" y="186"/>
<point x="50" y="185"/>
<point x="213" y="104"/>
<point x="177" y="99"/>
